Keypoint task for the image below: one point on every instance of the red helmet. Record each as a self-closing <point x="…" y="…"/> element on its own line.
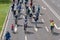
<point x="51" y="20"/>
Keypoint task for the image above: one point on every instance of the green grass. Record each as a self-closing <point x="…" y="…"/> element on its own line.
<point x="5" y="1"/>
<point x="4" y="8"/>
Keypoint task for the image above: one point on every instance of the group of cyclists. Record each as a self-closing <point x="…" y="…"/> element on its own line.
<point x="30" y="13"/>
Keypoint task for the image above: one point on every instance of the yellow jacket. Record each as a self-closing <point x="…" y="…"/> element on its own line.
<point x="51" y="23"/>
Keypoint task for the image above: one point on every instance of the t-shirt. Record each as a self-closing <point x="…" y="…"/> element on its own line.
<point x="52" y="24"/>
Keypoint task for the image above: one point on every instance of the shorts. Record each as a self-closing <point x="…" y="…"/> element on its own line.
<point x="30" y="15"/>
<point x="52" y="27"/>
<point x="36" y="19"/>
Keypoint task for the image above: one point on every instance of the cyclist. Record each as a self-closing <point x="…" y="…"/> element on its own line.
<point x="18" y="1"/>
<point x="25" y="26"/>
<point x="14" y="12"/>
<point x="16" y="18"/>
<point x="7" y="36"/>
<point x="51" y="25"/>
<point x="38" y="8"/>
<point x="27" y="11"/>
<point x="12" y="7"/>
<point x="35" y="19"/>
<point x="33" y="9"/>
<point x="31" y="3"/>
<point x="30" y="14"/>
<point x="12" y="27"/>
<point x="26" y="1"/>
<point x="37" y="16"/>
<point x="25" y="23"/>
<point x="13" y="1"/>
<point x="37" y="13"/>
<point x="19" y="7"/>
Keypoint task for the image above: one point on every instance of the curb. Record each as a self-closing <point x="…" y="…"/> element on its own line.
<point x="4" y="24"/>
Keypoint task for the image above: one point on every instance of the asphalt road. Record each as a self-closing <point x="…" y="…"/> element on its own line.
<point x="48" y="11"/>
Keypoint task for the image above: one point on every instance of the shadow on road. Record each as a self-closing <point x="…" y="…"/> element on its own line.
<point x="55" y="33"/>
<point x="38" y="27"/>
<point x="27" y="32"/>
<point x="41" y="13"/>
<point x="38" y="22"/>
<point x="18" y="25"/>
<point x="30" y="27"/>
<point x="20" y="18"/>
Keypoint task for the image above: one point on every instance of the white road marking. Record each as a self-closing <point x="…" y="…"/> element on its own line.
<point x="42" y="20"/>
<point x="35" y="28"/>
<point x="33" y="20"/>
<point x="52" y="10"/>
<point x="56" y="26"/>
<point x="43" y="8"/>
<point x="25" y="37"/>
<point x="6" y="25"/>
<point x="47" y="29"/>
<point x="39" y="15"/>
<point x="53" y="1"/>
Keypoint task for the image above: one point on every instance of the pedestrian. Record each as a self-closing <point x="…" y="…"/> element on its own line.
<point x="52" y="25"/>
<point x="7" y="36"/>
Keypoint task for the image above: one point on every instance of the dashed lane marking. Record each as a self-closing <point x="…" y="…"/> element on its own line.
<point x="47" y="29"/>
<point x="52" y="10"/>
<point x="25" y="37"/>
<point x="43" y="8"/>
<point x="39" y="15"/>
<point x="36" y="29"/>
<point x="56" y="26"/>
<point x="42" y="20"/>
